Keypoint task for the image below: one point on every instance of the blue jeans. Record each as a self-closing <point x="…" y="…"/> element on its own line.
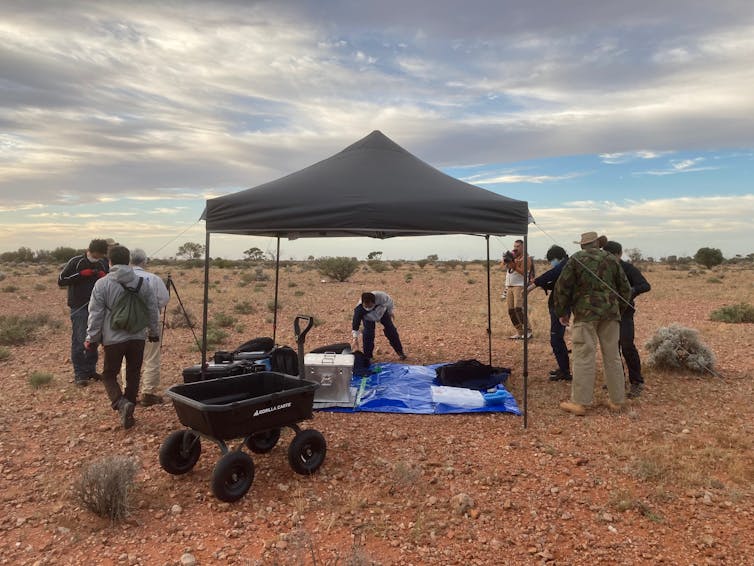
<point x="557" y="341"/>
<point x="391" y="332"/>
<point x="84" y="361"/>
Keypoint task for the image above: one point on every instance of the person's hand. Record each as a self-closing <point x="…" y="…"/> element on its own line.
<point x="564" y="320"/>
<point x="86" y="272"/>
<point x="154" y="338"/>
<point x="530" y="288"/>
<point x="90" y="346"/>
<point x="101" y="273"/>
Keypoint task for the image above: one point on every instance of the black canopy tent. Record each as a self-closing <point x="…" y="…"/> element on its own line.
<point x="372" y="188"/>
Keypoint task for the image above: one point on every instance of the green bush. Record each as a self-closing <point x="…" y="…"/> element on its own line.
<point x="39" y="378"/>
<point x="224" y="320"/>
<point x="244" y="307"/>
<point x="105" y="486"/>
<point x="19" y="330"/>
<point x="708" y="257"/>
<point x="338" y="268"/>
<point x="377" y="265"/>
<point x="4" y="353"/>
<point x="299" y="293"/>
<point x="675" y="347"/>
<point x="215" y="336"/>
<point x="271" y="306"/>
<point x="39" y="287"/>
<point x="408" y="277"/>
<point x="292" y="284"/>
<point x="742" y="312"/>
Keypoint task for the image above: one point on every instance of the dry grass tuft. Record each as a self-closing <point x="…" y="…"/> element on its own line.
<point x="105" y="485"/>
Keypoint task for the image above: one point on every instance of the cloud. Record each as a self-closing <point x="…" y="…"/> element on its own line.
<point x="507" y="178"/>
<point x="680" y="166"/>
<point x="628" y="156"/>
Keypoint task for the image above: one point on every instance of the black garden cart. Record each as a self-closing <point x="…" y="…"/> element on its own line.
<point x="253" y="407"/>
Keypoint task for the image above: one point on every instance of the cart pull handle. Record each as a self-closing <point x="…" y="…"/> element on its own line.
<point x="301" y="335"/>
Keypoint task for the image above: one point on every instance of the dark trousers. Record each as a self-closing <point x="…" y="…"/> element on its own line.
<point x="133" y="352"/>
<point x="557" y="341"/>
<point x="391" y="333"/>
<point x="628" y="349"/>
<point x="84" y="361"/>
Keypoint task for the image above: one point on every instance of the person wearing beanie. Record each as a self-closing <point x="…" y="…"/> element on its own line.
<point x="628" y="349"/>
<point x="557" y="257"/>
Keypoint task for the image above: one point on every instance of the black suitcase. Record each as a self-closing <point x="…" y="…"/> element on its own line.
<point x="214" y="371"/>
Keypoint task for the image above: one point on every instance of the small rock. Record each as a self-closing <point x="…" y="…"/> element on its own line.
<point x="461" y="503"/>
<point x="176" y="509"/>
<point x="281" y="544"/>
<point x="432" y="500"/>
<point x="188" y="559"/>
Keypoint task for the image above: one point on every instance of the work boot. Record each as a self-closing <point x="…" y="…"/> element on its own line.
<point x="635" y="391"/>
<point x="126" y="412"/>
<point x="559" y="375"/>
<point x="149" y="399"/>
<point x="402" y="357"/>
<point x="573" y="408"/>
<point x="615" y="407"/>
<point x="81" y="382"/>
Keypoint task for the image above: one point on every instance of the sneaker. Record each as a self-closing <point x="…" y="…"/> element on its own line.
<point x="560" y="376"/>
<point x="126" y="412"/>
<point x="529" y="335"/>
<point x="516" y="337"/>
<point x="635" y="391"/>
<point x="402" y="357"/>
<point x="149" y="399"/>
<point x="573" y="408"/>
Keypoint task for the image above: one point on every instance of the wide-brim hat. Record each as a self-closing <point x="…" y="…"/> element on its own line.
<point x="588" y="238"/>
<point x="111" y="242"/>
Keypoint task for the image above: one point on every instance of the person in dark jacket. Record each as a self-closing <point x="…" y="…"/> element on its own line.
<point x="79" y="275"/>
<point x="639" y="285"/>
<point x="557" y="257"/>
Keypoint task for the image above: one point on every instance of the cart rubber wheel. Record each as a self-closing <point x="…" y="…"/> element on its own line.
<point x="307" y="451"/>
<point x="180" y="451"/>
<point x="263" y="442"/>
<point x="232" y="476"/>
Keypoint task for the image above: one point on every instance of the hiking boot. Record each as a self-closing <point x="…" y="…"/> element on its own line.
<point x="573" y="408"/>
<point x="402" y="357"/>
<point x="559" y="375"/>
<point x="554" y="371"/>
<point x="126" y="412"/>
<point x="635" y="391"/>
<point x="149" y="399"/>
<point x="81" y="382"/>
<point x="615" y="407"/>
<point x="95" y="377"/>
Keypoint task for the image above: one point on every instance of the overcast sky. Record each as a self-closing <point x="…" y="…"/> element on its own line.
<point x="634" y="119"/>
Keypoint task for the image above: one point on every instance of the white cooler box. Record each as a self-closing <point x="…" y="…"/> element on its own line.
<point x="333" y="372"/>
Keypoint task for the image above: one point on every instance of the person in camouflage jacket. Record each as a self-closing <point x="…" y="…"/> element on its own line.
<point x="595" y="289"/>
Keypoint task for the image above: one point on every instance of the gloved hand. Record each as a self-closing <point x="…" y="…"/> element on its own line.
<point x="90" y="345"/>
<point x="354" y="334"/>
<point x="86" y="272"/>
<point x="101" y="273"/>
<point x="154" y="338"/>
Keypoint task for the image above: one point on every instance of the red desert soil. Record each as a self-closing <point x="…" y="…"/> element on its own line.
<point x="667" y="481"/>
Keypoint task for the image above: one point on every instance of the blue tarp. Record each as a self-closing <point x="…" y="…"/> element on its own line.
<point x="400" y="388"/>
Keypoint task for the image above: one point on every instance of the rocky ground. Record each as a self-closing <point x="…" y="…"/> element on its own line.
<point x="667" y="481"/>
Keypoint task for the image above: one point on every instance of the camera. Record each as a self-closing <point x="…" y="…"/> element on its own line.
<point x="508" y="257"/>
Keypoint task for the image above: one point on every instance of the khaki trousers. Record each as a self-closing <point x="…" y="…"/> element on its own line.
<point x="585" y="336"/>
<point x="515" y="302"/>
<point x="150" y="369"/>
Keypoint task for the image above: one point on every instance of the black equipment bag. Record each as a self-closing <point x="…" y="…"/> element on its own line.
<point x="262" y="344"/>
<point x="339" y="348"/>
<point x="284" y="360"/>
<point x="214" y="370"/>
<point x="471" y="374"/>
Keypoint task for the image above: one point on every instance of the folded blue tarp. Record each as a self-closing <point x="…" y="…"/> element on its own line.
<point x="400" y="388"/>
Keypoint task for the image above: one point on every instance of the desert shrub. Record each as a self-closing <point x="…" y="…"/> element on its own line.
<point x="471" y="281"/>
<point x="105" y="486"/>
<point x="19" y="330"/>
<point x="39" y="378"/>
<point x="178" y="318"/>
<point x="215" y="336"/>
<point x="675" y="347"/>
<point x="244" y="307"/>
<point x="292" y="284"/>
<point x="39" y="287"/>
<point x="299" y="293"/>
<point x="742" y="312"/>
<point x="377" y="265"/>
<point x="408" y="277"/>
<point x="396" y="263"/>
<point x="259" y="287"/>
<point x="708" y="257"/>
<point x="271" y="306"/>
<point x="452" y="263"/>
<point x="224" y="320"/>
<point x="714" y="280"/>
<point x="422" y="263"/>
<point x="338" y="268"/>
<point x="2" y="275"/>
<point x="4" y="353"/>
<point x="9" y="289"/>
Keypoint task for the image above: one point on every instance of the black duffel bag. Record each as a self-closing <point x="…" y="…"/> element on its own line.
<point x="471" y="374"/>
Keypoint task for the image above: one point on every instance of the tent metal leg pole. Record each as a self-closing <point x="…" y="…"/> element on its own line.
<point x="206" y="306"/>
<point x="489" y="302"/>
<point x="526" y="331"/>
<point x="277" y="281"/>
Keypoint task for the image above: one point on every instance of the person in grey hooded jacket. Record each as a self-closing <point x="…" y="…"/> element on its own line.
<point x="119" y="344"/>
